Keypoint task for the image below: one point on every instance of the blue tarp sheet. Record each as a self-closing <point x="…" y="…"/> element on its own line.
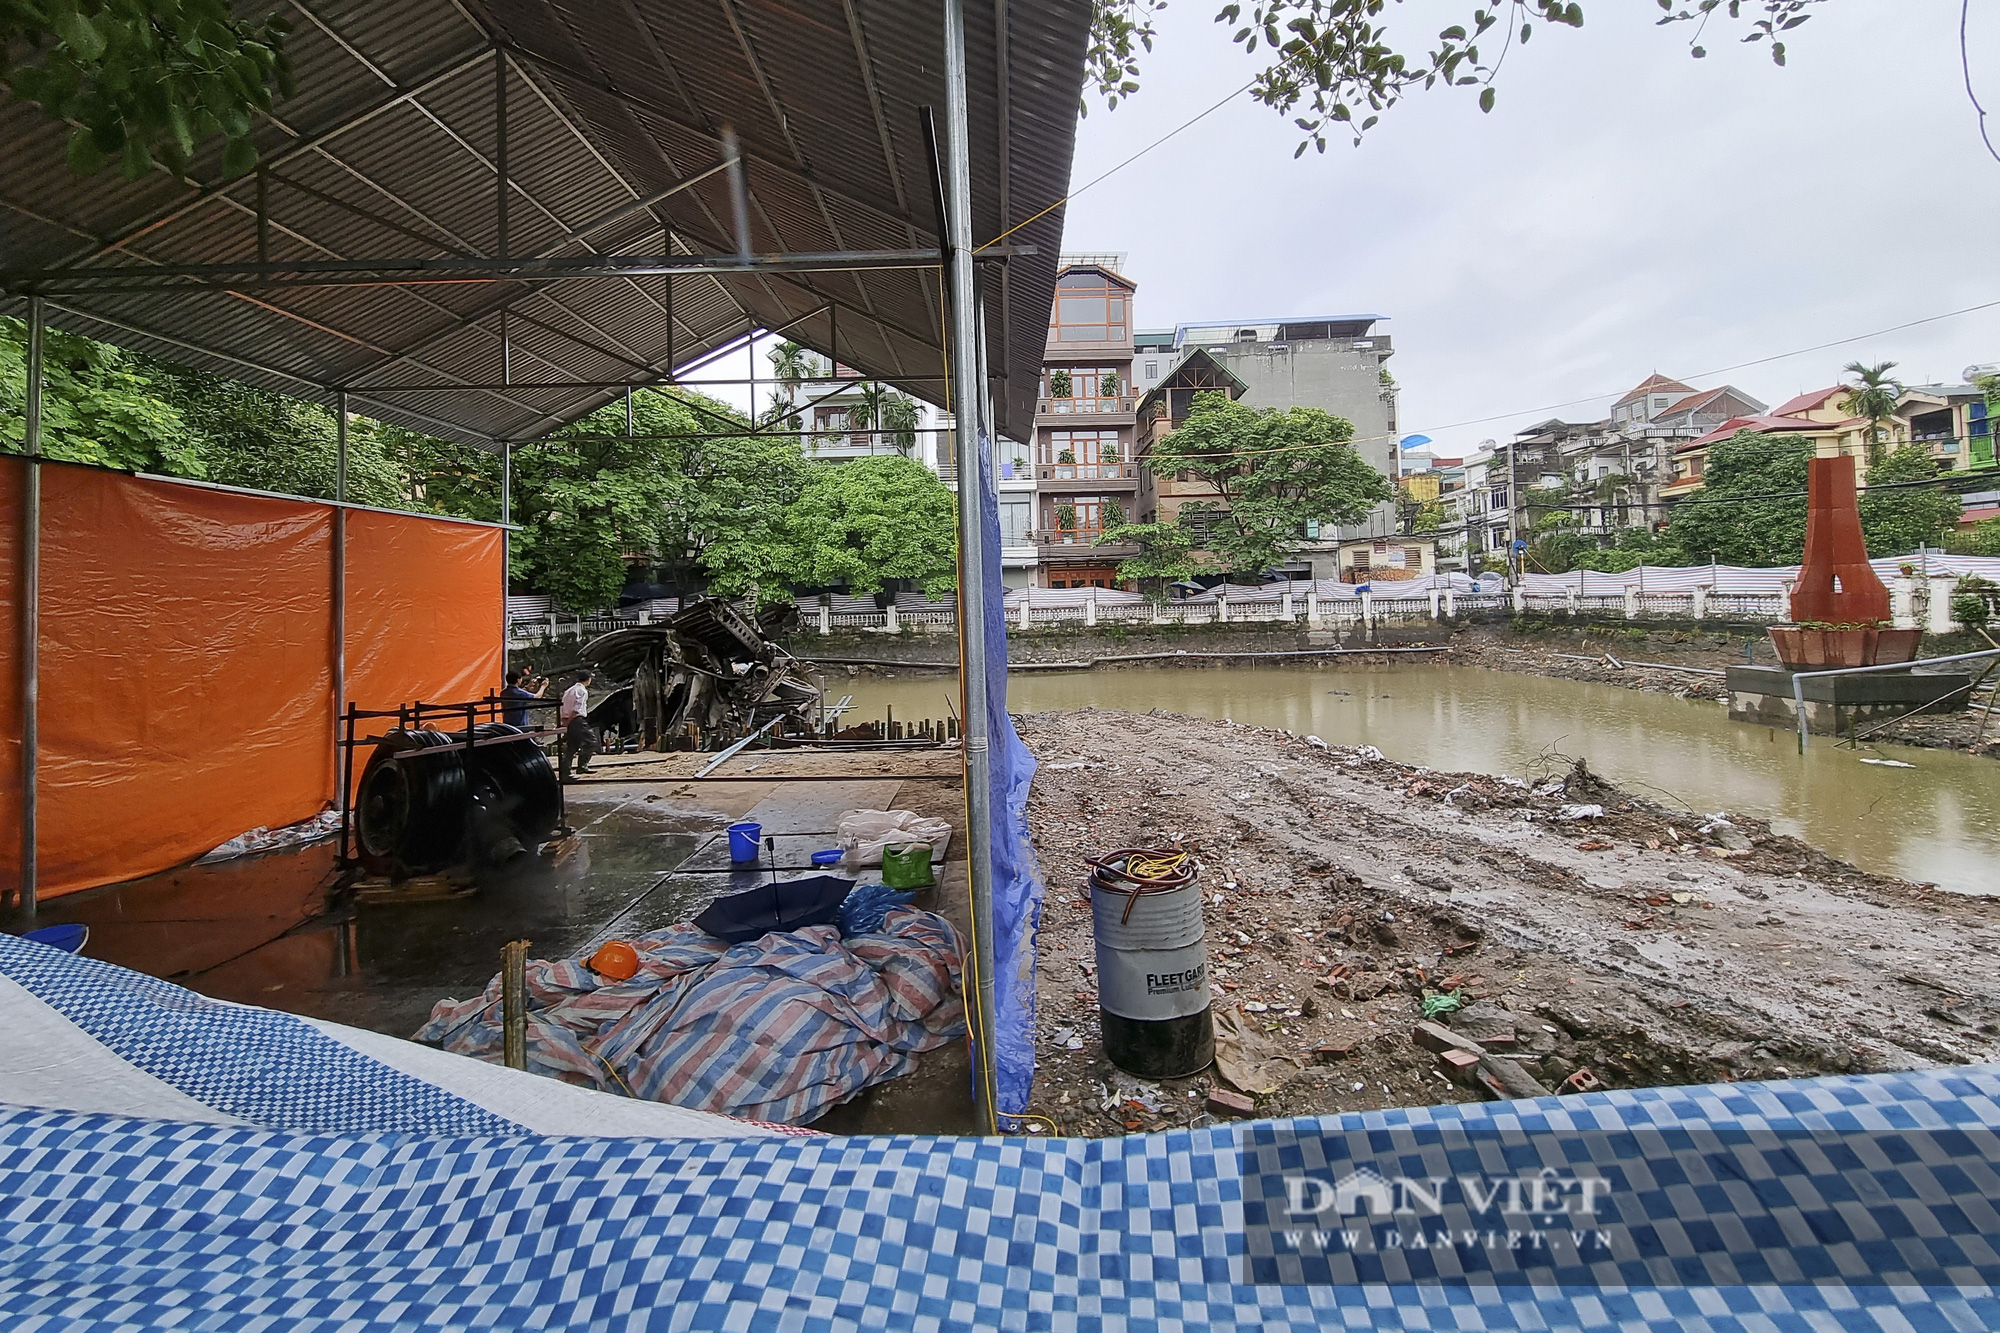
<point x="1017" y="882"/>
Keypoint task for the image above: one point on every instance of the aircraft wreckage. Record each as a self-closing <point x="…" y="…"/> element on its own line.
<point x="701" y="678"/>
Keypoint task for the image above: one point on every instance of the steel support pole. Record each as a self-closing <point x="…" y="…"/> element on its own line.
<point x="341" y="770"/>
<point x="340" y="446"/>
<point x="507" y="536"/>
<point x="31" y="610"/>
<point x="967" y="395"/>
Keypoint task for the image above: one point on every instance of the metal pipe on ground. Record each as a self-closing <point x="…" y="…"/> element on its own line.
<point x="1799" y="678"/>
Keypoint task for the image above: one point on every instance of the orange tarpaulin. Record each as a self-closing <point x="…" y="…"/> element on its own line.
<point x="13" y="475"/>
<point x="187" y="686"/>
<point x="423" y="611"/>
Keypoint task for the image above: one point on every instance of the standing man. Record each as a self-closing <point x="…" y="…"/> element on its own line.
<point x="579" y="743"/>
<point x="514" y="712"/>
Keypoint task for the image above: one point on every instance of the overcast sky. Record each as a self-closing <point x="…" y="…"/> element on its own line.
<point x="1624" y="209"/>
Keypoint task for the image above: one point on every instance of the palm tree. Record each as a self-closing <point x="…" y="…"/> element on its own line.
<point x="1874" y="394"/>
<point x="866" y="414"/>
<point x="781" y="411"/>
<point x="899" y="418"/>
<point x="792" y="364"/>
<point x="881" y="409"/>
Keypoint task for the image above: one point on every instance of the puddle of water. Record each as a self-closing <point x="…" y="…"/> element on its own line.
<point x="1938" y="821"/>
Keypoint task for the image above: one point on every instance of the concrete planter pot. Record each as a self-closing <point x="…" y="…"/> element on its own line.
<point x="1804" y="649"/>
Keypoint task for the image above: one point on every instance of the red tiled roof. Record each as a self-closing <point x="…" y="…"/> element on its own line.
<point x="1770" y="423"/>
<point x="1806" y="402"/>
<point x="1653" y="384"/>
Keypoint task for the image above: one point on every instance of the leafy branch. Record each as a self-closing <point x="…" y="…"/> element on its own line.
<point x="145" y="79"/>
<point x="1333" y="62"/>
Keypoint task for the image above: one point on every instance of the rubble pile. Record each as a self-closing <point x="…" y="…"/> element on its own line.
<point x="1385" y="935"/>
<point x="705" y="676"/>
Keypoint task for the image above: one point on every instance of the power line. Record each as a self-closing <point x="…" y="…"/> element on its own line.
<point x="1189" y="123"/>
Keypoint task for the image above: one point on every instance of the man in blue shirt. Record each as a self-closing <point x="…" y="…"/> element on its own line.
<point x="514" y="712"/>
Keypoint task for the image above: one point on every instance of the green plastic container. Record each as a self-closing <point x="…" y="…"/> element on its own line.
<point x="907" y="865"/>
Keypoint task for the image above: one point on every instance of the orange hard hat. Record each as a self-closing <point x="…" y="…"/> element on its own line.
<point x="615" y="959"/>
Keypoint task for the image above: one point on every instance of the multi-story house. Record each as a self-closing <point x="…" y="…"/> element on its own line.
<point x="1086" y="472"/>
<point x="1950" y="420"/>
<point x="1014" y="482"/>
<point x="1478" y="523"/>
<point x="1331" y="362"/>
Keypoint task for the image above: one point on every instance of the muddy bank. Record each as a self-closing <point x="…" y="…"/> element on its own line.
<point x="1644" y="945"/>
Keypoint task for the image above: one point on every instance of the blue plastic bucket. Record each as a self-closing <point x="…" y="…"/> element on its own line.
<point x="743" y="840"/>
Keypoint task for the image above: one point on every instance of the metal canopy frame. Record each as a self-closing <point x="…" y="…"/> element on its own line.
<point x="612" y="195"/>
<point x="484" y="219"/>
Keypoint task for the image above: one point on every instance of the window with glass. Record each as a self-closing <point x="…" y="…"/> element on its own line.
<point x="1082" y="454"/>
<point x="1072" y="520"/>
<point x="1089" y="308"/>
<point x="1016" y="521"/>
<point x="1090" y="389"/>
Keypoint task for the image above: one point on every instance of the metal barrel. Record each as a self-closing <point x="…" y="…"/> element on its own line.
<point x="1152" y="977"/>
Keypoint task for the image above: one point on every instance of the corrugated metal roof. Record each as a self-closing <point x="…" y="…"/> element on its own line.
<point x="387" y="153"/>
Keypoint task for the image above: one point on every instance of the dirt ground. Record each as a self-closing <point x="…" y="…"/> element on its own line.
<point x="1643" y="945"/>
<point x="1588" y="655"/>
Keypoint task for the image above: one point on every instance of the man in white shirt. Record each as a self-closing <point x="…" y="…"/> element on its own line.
<point x="579" y="743"/>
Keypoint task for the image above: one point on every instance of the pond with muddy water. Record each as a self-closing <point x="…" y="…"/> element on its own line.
<point x="1926" y="815"/>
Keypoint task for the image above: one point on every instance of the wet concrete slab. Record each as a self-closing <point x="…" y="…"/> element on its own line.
<point x="280" y="931"/>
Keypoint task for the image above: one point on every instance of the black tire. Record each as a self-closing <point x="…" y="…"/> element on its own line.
<point x="412" y="816"/>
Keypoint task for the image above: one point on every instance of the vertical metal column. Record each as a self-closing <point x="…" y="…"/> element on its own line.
<point x="31" y="609"/>
<point x="967" y="393"/>
<point x="342" y="770"/>
<point x="507" y="537"/>
<point x="340" y="447"/>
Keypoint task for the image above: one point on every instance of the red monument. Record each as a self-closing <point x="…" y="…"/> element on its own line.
<point x="1840" y="610"/>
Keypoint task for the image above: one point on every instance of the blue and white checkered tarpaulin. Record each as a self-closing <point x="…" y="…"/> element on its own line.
<point x="286" y="1179"/>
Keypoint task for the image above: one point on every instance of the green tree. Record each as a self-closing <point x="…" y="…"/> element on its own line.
<point x="870" y="521"/>
<point x="1168" y="553"/>
<point x="1276" y="472"/>
<point x="792" y="365"/>
<point x="1636" y="546"/>
<point x="1873" y="394"/>
<point x="1723" y="522"/>
<point x="1900" y="520"/>
<point x="1333" y="65"/>
<point x="271" y="442"/>
<point x="146" y="79"/>
<point x="98" y="406"/>
<point x="437" y="476"/>
<point x="708" y="509"/>
<point x="1980" y="539"/>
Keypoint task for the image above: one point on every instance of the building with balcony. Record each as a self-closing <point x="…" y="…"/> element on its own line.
<point x="1335" y="362"/>
<point x="1014" y="482"/>
<point x="1084" y="460"/>
<point x="1951" y="422"/>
